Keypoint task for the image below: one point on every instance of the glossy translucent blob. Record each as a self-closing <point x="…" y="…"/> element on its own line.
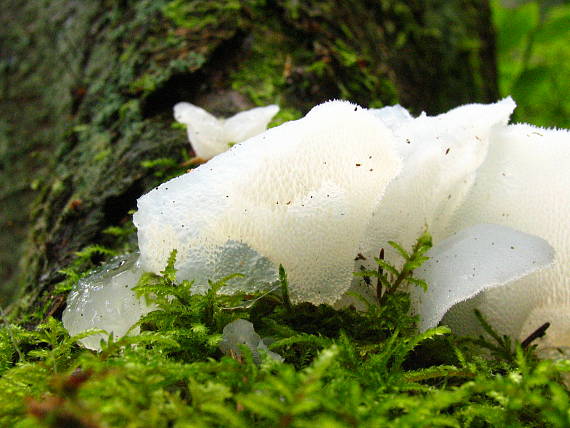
<point x="105" y="300"/>
<point x="239" y="333"/>
<point x="474" y="260"/>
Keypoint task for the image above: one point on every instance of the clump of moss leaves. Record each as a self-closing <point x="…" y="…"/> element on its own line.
<point x="342" y="368"/>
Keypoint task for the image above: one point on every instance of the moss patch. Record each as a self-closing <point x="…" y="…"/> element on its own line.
<point x="342" y="369"/>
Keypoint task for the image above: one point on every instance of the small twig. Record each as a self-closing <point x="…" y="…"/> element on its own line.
<point x="537" y="334"/>
<point x="380" y="273"/>
<point x="195" y="161"/>
<point x="250" y="303"/>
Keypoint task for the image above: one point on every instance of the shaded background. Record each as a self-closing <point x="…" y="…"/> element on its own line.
<point x="87" y="89"/>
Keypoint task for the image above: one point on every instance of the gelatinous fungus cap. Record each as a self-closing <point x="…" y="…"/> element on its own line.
<point x="300" y="195"/>
<point x="211" y="136"/>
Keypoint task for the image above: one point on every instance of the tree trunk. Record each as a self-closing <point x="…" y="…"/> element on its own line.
<point x="87" y="92"/>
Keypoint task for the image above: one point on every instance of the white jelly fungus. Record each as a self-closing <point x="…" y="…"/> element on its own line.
<point x="211" y="136"/>
<point x="300" y="195"/>
<point x="105" y="300"/>
<point x="524" y="183"/>
<point x="473" y="260"/>
<point x="239" y="333"/>
<point x="313" y="193"/>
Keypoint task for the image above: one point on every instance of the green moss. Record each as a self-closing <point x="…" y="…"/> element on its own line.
<point x="282" y="66"/>
<point x="262" y="77"/>
<point x="342" y="368"/>
<point x="285" y="115"/>
<point x="200" y="14"/>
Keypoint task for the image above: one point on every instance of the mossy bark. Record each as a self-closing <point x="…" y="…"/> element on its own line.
<point x="87" y="92"/>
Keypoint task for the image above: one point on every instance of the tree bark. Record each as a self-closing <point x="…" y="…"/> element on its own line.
<point x="87" y="91"/>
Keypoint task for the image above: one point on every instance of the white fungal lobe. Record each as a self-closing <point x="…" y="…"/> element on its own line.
<point x="440" y="157"/>
<point x="211" y="136"/>
<point x="473" y="260"/>
<point x="524" y="183"/>
<point x="300" y="195"/>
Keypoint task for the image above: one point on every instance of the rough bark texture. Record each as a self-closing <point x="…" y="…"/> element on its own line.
<point x="87" y="90"/>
